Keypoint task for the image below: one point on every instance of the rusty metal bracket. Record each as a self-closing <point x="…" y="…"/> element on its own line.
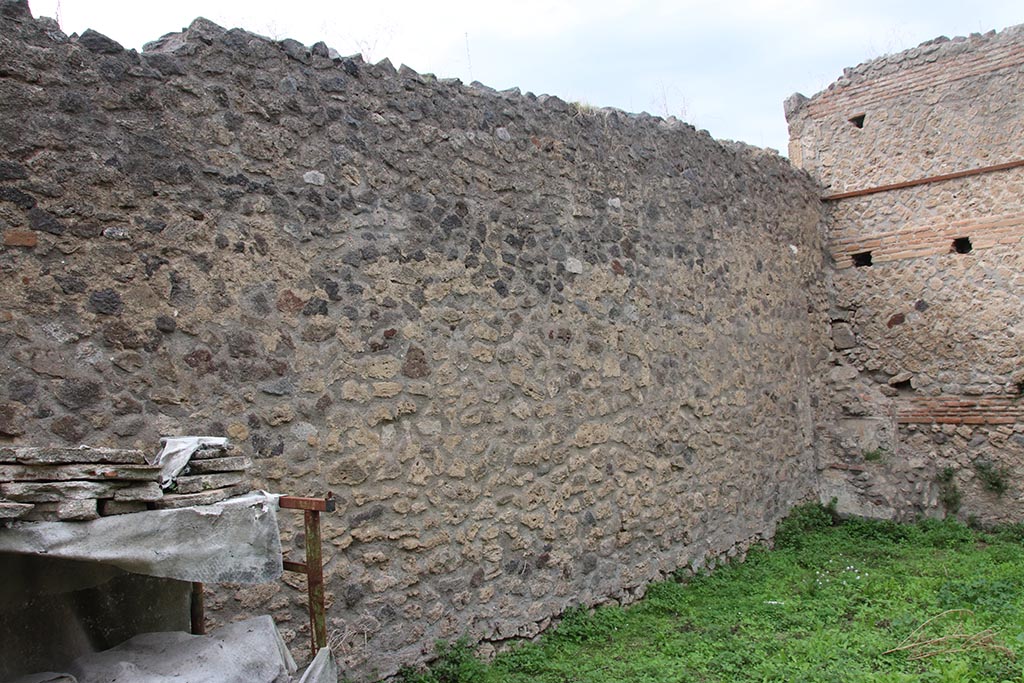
<point x="313" y="566"/>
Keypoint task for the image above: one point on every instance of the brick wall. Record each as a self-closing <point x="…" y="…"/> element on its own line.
<point x="927" y="338"/>
<point x="926" y="72"/>
<point x="931" y="239"/>
<point x="940" y="108"/>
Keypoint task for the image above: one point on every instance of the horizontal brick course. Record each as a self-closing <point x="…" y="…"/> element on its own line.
<point x="927" y="240"/>
<point x="851" y="98"/>
<point x="992" y="410"/>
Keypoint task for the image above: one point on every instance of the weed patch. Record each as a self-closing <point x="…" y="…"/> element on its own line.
<point x="874" y="455"/>
<point x="949" y="493"/>
<point x="804" y="520"/>
<point x="993" y="477"/>
<point x="454" y="663"/>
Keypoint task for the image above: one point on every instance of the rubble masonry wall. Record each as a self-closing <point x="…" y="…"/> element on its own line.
<point x="542" y="354"/>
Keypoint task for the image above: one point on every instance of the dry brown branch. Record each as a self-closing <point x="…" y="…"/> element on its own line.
<point x="921" y="647"/>
<point x="928" y="621"/>
<point x="969" y="637"/>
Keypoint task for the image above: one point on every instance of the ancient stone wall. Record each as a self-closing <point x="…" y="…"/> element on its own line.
<point x="543" y="355"/>
<point x="928" y="310"/>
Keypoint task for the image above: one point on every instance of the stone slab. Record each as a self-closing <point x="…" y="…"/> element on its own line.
<point x="177" y="500"/>
<point x="64" y="511"/>
<point x="206" y="482"/>
<point x="237" y="463"/>
<point x="56" y="491"/>
<point x="144" y="492"/>
<point x="12" y="510"/>
<point x="82" y="472"/>
<point x="63" y="456"/>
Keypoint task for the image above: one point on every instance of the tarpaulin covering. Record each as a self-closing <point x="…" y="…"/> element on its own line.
<point x="323" y="668"/>
<point x="233" y="541"/>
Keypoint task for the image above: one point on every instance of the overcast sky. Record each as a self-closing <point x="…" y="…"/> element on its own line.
<point x="725" y="66"/>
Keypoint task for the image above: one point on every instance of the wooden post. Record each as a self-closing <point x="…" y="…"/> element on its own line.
<point x="198" y="609"/>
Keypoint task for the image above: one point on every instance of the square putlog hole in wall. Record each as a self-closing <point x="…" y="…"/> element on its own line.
<point x="962" y="245"/>
<point x="857" y="120"/>
<point x="862" y="259"/>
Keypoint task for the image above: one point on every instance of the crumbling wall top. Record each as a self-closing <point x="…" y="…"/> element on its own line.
<point x="928" y="52"/>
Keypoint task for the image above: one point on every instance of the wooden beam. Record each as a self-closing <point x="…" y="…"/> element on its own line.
<point x="923" y="181"/>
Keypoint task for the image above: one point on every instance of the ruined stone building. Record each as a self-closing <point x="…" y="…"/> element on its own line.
<point x="542" y="355"/>
<point x="921" y="160"/>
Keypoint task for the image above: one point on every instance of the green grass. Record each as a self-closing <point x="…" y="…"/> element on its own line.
<point x="825" y="605"/>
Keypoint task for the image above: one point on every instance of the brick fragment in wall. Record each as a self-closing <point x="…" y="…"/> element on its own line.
<point x="20" y="238"/>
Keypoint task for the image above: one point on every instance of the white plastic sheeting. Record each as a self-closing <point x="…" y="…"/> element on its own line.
<point x="176" y="452"/>
<point x="249" y="651"/>
<point x="233" y="541"/>
<point x="323" y="668"/>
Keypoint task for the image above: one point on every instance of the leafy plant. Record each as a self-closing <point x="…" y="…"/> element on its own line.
<point x="1013" y="533"/>
<point x="454" y="663"/>
<point x="993" y="594"/>
<point x="579" y="625"/>
<point x="874" y="455"/>
<point x="949" y="493"/>
<point x="993" y="477"/>
<point x="802" y="520"/>
<point x="879" y="530"/>
<point x="944" y="533"/>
